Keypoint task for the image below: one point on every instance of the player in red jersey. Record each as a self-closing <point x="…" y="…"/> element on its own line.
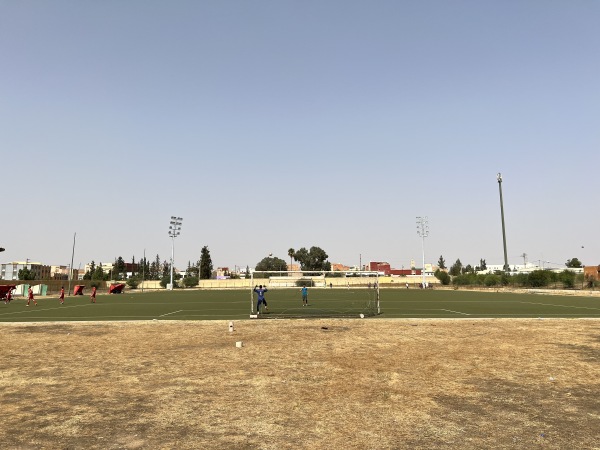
<point x="30" y="297"/>
<point x="8" y="297"/>
<point x="93" y="296"/>
<point x="62" y="295"/>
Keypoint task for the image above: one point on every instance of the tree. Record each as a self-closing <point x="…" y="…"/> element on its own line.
<point x="573" y="263"/>
<point x="120" y="268"/>
<point x="456" y="268"/>
<point x="313" y="259"/>
<point x="291" y="253"/>
<point x="191" y="271"/>
<point x="155" y="269"/>
<point x="482" y="264"/>
<point x="441" y="262"/>
<point x="442" y="276"/>
<point x="26" y="274"/>
<point x="98" y="273"/>
<point x="206" y="265"/>
<point x="271" y="264"/>
<point x="88" y="274"/>
<point x="165" y="269"/>
<point x="143" y="269"/>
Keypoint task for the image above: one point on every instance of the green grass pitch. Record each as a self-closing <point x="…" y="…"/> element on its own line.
<point x="235" y="305"/>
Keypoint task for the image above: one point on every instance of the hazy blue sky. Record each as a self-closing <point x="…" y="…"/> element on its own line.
<point x="275" y="124"/>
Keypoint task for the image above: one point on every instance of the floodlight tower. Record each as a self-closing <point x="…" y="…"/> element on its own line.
<point x="499" y="178"/>
<point x="423" y="232"/>
<point x="174" y="231"/>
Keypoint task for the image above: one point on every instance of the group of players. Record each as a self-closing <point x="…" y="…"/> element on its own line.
<point x="260" y="293"/>
<point x="30" y="297"/>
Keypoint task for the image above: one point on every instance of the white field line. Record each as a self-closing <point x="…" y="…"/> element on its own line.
<point x="455" y="312"/>
<point x="562" y="306"/>
<point x="34" y="308"/>
<point x="174" y="312"/>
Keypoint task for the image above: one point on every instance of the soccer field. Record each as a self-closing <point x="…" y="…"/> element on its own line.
<point x="230" y="305"/>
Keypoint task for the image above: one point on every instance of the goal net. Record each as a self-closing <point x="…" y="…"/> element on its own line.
<point x="329" y="294"/>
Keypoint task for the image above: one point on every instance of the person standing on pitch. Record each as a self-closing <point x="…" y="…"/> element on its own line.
<point x="93" y="296"/>
<point x="304" y="291"/>
<point x="62" y="295"/>
<point x="30" y="297"/>
<point x="260" y="291"/>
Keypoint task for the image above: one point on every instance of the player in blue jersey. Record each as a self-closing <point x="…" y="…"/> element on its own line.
<point x="304" y="291"/>
<point x="260" y="291"/>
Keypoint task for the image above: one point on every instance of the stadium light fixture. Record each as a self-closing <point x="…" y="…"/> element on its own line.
<point x="423" y="232"/>
<point x="499" y="178"/>
<point x="174" y="231"/>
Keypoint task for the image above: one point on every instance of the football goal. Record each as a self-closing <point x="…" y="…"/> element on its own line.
<point x="329" y="294"/>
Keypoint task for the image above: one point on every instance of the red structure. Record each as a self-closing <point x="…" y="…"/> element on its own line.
<point x="384" y="267"/>
<point x="78" y="289"/>
<point x="116" y="288"/>
<point x="5" y="289"/>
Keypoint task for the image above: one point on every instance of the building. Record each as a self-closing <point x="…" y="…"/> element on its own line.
<point x="59" y="272"/>
<point x="339" y="267"/>
<point x="222" y="273"/>
<point x="591" y="273"/>
<point x="384" y="268"/>
<point x="527" y="268"/>
<point x="10" y="271"/>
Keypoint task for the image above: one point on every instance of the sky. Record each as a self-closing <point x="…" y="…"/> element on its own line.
<point x="270" y="125"/>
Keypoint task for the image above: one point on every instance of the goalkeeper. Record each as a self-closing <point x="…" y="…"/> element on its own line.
<point x="260" y="291"/>
<point x="304" y="291"/>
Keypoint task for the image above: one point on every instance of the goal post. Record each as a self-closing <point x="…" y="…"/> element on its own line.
<point x="330" y="293"/>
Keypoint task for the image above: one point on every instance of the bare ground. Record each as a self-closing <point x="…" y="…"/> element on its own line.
<point x="302" y="384"/>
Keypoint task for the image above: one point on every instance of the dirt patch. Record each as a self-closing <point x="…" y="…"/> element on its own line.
<point x="312" y="384"/>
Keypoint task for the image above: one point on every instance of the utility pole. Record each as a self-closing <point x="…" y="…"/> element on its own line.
<point x="499" y="178"/>
<point x="71" y="271"/>
<point x="524" y="256"/>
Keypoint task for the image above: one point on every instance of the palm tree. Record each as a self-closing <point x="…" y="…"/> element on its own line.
<point x="291" y="253"/>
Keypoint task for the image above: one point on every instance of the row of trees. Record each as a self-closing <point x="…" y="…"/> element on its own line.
<point x="152" y="270"/>
<point x="458" y="269"/>
<point x="313" y="259"/>
<point x="538" y="278"/>
<point x="460" y="275"/>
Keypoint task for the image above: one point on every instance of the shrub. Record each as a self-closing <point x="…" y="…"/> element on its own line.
<point x="567" y="277"/>
<point x="133" y="282"/>
<point x="539" y="278"/>
<point x="190" y="282"/>
<point x="443" y="277"/>
<point x="491" y="280"/>
<point x="164" y="281"/>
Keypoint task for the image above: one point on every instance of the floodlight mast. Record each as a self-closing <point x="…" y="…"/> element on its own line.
<point x="71" y="267"/>
<point x="499" y="178"/>
<point x="423" y="232"/>
<point x="174" y="231"/>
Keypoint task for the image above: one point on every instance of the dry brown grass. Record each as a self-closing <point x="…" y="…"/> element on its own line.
<point x="308" y="384"/>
